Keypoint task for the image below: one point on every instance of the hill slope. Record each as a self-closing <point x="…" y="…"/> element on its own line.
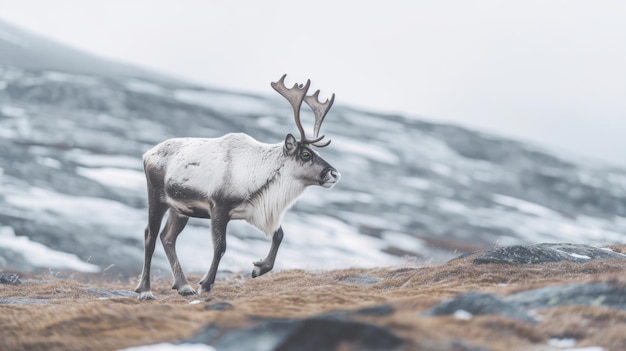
<point x="72" y="192"/>
<point x="26" y="50"/>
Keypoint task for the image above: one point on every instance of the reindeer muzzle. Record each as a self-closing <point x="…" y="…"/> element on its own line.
<point x="330" y="177"/>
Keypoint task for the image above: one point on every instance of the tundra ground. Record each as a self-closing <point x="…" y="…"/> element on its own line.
<point x="94" y="312"/>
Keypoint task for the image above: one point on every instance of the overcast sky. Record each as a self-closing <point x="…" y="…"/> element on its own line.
<point x="553" y="72"/>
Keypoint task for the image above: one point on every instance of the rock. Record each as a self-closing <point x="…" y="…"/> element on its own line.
<point x="382" y="310"/>
<point x="208" y="335"/>
<point x="319" y="333"/>
<point x="218" y="306"/>
<point x="109" y="293"/>
<point x="460" y="345"/>
<point x="545" y="253"/>
<point x="590" y="294"/>
<point x="480" y="304"/>
<point x="516" y="305"/>
<point x="10" y="279"/>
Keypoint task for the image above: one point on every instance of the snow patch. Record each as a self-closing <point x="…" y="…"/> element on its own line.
<point x="523" y="206"/>
<point x="462" y="315"/>
<point x="584" y="257"/>
<point x="41" y="256"/>
<point x="562" y="343"/>
<point x="69" y="78"/>
<point x="310" y="242"/>
<point x="141" y="86"/>
<point x="405" y="241"/>
<point x="47" y="206"/>
<point x="452" y="206"/>
<point x="225" y="102"/>
<point x="368" y="150"/>
<point x="417" y="183"/>
<point x="91" y="160"/>
<point x="117" y="177"/>
<point x="13" y="112"/>
<point x="49" y="162"/>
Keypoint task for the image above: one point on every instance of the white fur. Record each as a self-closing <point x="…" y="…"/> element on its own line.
<point x="232" y="166"/>
<point x="265" y="211"/>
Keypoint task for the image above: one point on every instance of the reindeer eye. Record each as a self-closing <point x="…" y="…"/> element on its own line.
<point x="305" y="155"/>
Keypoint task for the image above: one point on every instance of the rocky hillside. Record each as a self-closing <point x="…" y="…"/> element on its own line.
<point x="72" y="190"/>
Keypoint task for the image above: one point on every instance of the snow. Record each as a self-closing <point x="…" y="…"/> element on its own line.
<point x="580" y="256"/>
<point x="116" y="177"/>
<point x="416" y="183"/>
<point x="49" y="162"/>
<point x="224" y="102"/>
<point x="462" y="315"/>
<point x="339" y="196"/>
<point x="13" y="111"/>
<point x="442" y="169"/>
<point x="375" y="123"/>
<point x="404" y="241"/>
<point x="400" y="179"/>
<point x="141" y="86"/>
<point x="45" y="205"/>
<point x="171" y="347"/>
<point x="561" y="343"/>
<point x="310" y="242"/>
<point x="41" y="256"/>
<point x="322" y="242"/>
<point x="523" y="206"/>
<point x="368" y="150"/>
<point x="61" y="77"/>
<point x="90" y="160"/>
<point x="535" y="223"/>
<point x="452" y="206"/>
<point x="318" y="242"/>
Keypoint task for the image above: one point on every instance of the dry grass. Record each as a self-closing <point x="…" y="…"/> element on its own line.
<point x="76" y="319"/>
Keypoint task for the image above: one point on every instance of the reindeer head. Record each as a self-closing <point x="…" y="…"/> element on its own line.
<point x="312" y="168"/>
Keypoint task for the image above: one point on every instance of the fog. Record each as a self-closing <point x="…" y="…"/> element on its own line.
<point x="550" y="72"/>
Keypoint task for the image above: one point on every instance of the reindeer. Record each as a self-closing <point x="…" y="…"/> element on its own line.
<point x="231" y="177"/>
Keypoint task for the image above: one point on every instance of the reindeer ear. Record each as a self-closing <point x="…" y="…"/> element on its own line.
<point x="290" y="145"/>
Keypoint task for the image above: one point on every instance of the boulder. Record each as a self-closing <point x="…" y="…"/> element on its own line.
<point x="318" y="333"/>
<point x="546" y="253"/>
<point x="516" y="306"/>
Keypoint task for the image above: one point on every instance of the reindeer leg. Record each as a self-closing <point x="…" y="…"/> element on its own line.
<point x="266" y="265"/>
<point x="175" y="224"/>
<point x="156" y="210"/>
<point x="219" y="221"/>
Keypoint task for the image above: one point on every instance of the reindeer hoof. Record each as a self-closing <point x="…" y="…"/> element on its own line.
<point x="186" y="290"/>
<point x="260" y="268"/>
<point x="205" y="289"/>
<point x="146" y="295"/>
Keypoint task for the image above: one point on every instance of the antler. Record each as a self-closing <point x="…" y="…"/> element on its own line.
<point x="320" y="110"/>
<point x="295" y="95"/>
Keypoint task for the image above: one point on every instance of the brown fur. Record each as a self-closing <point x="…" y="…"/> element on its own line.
<point x="75" y="319"/>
